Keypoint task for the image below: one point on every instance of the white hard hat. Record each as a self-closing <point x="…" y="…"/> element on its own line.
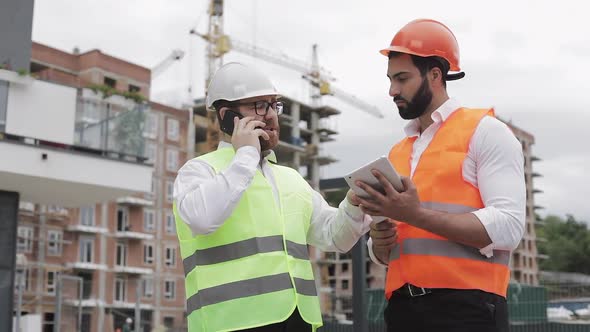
<point x="129" y="320"/>
<point x="235" y="81"/>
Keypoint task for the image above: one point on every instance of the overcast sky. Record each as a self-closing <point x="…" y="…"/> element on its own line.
<point x="528" y="59"/>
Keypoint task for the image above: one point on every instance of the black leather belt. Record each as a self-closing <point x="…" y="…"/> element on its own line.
<point x="409" y="290"/>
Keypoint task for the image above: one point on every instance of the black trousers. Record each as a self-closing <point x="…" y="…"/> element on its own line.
<point x="447" y="310"/>
<point x="293" y="324"/>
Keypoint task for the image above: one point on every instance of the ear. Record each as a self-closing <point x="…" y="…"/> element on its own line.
<point x="222" y="112"/>
<point x="435" y="75"/>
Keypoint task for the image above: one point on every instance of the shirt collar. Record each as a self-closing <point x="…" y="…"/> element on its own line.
<point x="412" y="128"/>
<point x="268" y="154"/>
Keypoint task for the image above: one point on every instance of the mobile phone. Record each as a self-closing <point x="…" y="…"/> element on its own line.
<point x="227" y="123"/>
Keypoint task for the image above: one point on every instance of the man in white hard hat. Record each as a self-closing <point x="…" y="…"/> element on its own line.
<point x="244" y="222"/>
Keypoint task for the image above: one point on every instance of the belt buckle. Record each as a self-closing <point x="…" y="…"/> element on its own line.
<point x="423" y="291"/>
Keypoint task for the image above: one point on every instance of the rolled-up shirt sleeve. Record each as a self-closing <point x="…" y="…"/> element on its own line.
<point x="501" y="183"/>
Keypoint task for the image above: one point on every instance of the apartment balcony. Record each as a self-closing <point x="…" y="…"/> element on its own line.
<point x="65" y="146"/>
<point x="57" y="212"/>
<point x="87" y="229"/>
<point x="133" y="270"/>
<point x="130" y="305"/>
<point x="84" y="266"/>
<point x="134" y="201"/>
<point x="26" y="208"/>
<point x="131" y="235"/>
<point x="86" y="303"/>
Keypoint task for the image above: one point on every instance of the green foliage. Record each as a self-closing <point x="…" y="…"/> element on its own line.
<point x="108" y="91"/>
<point x="567" y="245"/>
<point x="22" y="72"/>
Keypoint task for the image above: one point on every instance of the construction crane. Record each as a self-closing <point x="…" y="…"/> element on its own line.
<point x="219" y="44"/>
<point x="176" y="55"/>
<point x="320" y="78"/>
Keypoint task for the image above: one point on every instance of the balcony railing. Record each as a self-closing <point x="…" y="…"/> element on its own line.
<point x="112" y="124"/>
<point x="132" y="270"/>
<point x="129" y="234"/>
<point x="87" y="229"/>
<point x="86" y="266"/>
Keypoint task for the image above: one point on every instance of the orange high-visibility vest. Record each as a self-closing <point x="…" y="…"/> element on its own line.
<point x="428" y="260"/>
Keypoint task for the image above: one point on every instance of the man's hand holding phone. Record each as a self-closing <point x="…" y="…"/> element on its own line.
<point x="247" y="131"/>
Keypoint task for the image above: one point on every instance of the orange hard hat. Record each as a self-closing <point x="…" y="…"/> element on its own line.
<point x="425" y="38"/>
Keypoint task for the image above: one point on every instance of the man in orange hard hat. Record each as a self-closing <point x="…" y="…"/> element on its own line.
<point x="451" y="231"/>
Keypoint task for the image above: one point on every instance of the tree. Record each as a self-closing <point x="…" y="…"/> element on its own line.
<point x="567" y="245"/>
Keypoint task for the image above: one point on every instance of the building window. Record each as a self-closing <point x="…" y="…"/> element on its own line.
<point x="110" y="82"/>
<point x="86" y="249"/>
<point x="121" y="255"/>
<point x="150" y="152"/>
<point x="151" y="125"/>
<point x="170" y="256"/>
<point x="87" y="216"/>
<point x="153" y="192"/>
<point x="169" y="191"/>
<point x="173" y="131"/>
<point x="344" y="284"/>
<point x="122" y="219"/>
<point x="148" y="253"/>
<point x="120" y="289"/>
<point x="332" y="283"/>
<point x="171" y="160"/>
<point x="169" y="322"/>
<point x="51" y="282"/>
<point x="23" y="279"/>
<point x="133" y="88"/>
<point x="147" y="287"/>
<point x="344" y="267"/>
<point x="54" y="242"/>
<point x="149" y="220"/>
<point x="169" y="289"/>
<point x="170" y="223"/>
<point x="24" y="243"/>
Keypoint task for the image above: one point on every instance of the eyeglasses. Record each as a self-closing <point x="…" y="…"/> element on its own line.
<point x="261" y="107"/>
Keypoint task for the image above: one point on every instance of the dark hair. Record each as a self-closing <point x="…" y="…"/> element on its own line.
<point x="218" y="104"/>
<point x="425" y="64"/>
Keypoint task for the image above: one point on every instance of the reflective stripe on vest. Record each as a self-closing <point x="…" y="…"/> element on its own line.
<point x="250" y="287"/>
<point x="446" y="248"/>
<point x="429" y="260"/>
<point x="241" y="249"/>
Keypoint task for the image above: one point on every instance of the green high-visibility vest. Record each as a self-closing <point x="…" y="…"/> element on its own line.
<point x="254" y="270"/>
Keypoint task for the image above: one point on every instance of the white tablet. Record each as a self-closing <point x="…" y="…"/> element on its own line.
<point x="364" y="174"/>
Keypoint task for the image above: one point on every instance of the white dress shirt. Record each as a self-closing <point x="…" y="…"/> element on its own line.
<point x="205" y="200"/>
<point x="495" y="165"/>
